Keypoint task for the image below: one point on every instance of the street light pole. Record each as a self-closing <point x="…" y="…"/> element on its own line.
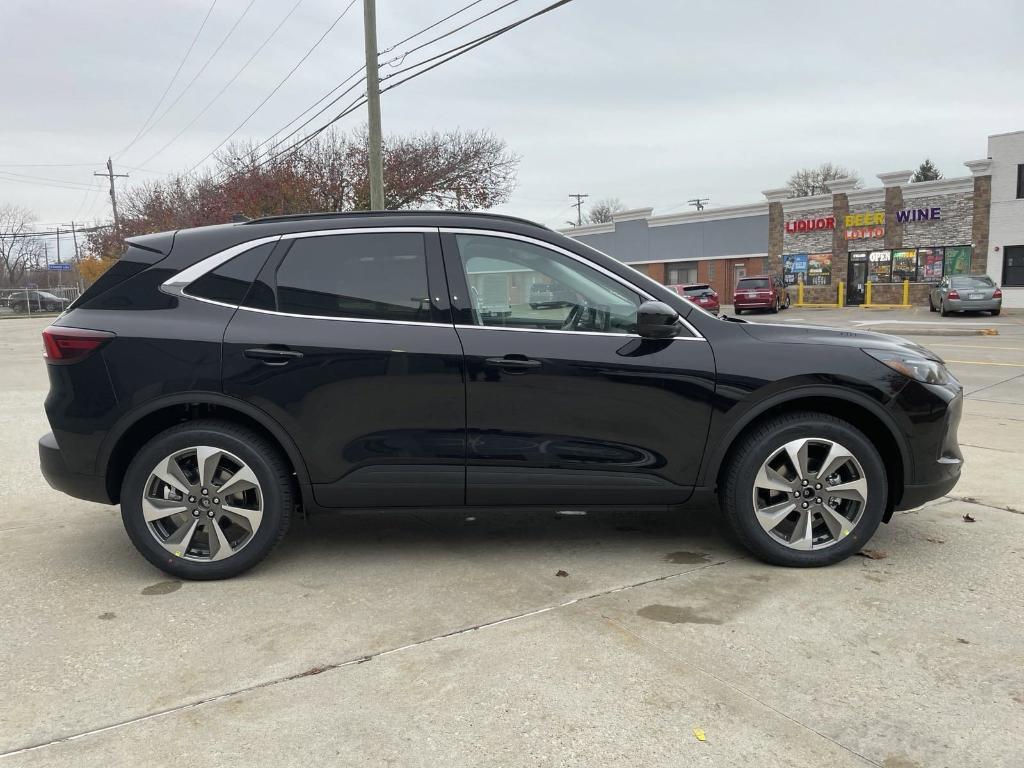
<point x="376" y="169"/>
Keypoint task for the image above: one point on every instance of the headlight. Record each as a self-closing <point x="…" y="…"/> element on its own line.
<point x="912" y="365"/>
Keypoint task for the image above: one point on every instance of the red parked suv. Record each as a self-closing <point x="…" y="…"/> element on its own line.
<point x="760" y="292"/>
<point x="700" y="294"/>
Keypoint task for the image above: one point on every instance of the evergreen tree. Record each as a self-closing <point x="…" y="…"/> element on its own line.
<point x="926" y="172"/>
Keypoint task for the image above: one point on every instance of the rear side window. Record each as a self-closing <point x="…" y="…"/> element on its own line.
<point x="379" y="276"/>
<point x="229" y="282"/>
<point x="752" y="283"/>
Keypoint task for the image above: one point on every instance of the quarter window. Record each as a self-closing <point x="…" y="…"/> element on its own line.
<point x="514" y="284"/>
<point x="378" y="276"/>
<point x="229" y="282"/>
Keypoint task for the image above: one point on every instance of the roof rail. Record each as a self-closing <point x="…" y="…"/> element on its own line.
<point x="363" y="214"/>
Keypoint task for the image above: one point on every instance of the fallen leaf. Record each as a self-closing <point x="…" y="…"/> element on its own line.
<point x="561" y="573"/>
<point x="933" y="540"/>
<point x="968" y="518"/>
<point x="873" y="554"/>
<point x="699" y="734"/>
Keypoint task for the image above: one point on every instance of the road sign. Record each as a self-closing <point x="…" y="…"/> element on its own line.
<point x="59" y="267"/>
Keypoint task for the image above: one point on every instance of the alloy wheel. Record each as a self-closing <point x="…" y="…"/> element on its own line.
<point x="202" y="504"/>
<point x="810" y="493"/>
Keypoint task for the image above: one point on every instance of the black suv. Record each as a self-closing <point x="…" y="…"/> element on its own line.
<point x="217" y="380"/>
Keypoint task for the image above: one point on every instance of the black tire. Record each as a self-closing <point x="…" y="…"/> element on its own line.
<point x="263" y="458"/>
<point x="756" y="446"/>
<point x="737" y="311"/>
<point x="776" y="306"/>
<point x="943" y="311"/>
<point x="995" y="312"/>
<point x="931" y="304"/>
<point x="789" y="301"/>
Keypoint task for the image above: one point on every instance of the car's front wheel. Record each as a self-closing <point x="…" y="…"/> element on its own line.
<point x="206" y="499"/>
<point x="804" y="489"/>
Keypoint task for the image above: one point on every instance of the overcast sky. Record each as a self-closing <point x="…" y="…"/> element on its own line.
<point x="650" y="101"/>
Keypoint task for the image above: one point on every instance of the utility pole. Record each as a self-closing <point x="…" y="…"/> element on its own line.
<point x="376" y="169"/>
<point x="113" y="193"/>
<point x="60" y="277"/>
<point x="579" y="207"/>
<point x="698" y="202"/>
<point x="74" y="237"/>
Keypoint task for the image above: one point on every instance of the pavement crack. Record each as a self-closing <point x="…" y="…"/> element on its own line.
<point x="324" y="668"/>
<point x="737" y="689"/>
<point x="975" y="502"/>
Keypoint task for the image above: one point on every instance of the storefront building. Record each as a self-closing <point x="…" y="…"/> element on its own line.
<point x="885" y="236"/>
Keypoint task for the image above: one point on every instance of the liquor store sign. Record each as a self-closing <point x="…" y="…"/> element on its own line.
<point x="859" y="226"/>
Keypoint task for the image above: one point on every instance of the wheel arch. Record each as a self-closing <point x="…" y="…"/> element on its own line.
<point x="861" y="412"/>
<point x="136" y="427"/>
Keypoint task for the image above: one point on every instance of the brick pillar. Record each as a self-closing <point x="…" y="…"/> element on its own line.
<point x="893" y="229"/>
<point x="979" y="224"/>
<point x="776" y="225"/>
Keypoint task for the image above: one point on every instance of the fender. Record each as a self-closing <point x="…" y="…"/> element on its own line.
<point x="123" y="424"/>
<point x="718" y="447"/>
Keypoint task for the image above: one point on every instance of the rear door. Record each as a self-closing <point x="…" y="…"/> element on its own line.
<point x="346" y="339"/>
<point x="566" y="405"/>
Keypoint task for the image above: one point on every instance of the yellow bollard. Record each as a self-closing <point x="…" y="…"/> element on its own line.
<point x="906" y="293"/>
<point x="867" y="294"/>
<point x="800" y="293"/>
<point x="841" y="292"/>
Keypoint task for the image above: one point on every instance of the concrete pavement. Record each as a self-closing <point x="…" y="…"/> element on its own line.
<point x="441" y="640"/>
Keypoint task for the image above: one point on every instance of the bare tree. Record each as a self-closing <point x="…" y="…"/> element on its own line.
<point x="18" y="253"/>
<point x="814" y="181"/>
<point x="927" y="171"/>
<point x="453" y="170"/>
<point x="602" y="211"/>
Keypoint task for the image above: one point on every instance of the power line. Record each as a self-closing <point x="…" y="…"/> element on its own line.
<point x="173" y="78"/>
<point x="401" y="58"/>
<point x="276" y="88"/>
<point x="227" y="85"/>
<point x="41" y="181"/>
<point x="200" y="71"/>
<point x="455" y="53"/>
<point x="435" y="24"/>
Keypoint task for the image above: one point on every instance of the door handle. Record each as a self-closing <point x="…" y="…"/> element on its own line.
<point x="512" y="363"/>
<point x="272" y="356"/>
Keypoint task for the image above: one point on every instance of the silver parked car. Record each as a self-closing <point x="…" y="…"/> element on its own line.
<point x="960" y="293"/>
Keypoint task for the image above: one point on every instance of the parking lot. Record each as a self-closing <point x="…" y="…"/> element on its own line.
<point x="532" y="639"/>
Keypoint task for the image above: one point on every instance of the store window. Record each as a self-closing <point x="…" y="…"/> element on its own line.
<point x="681" y="273"/>
<point x="1020" y="181"/>
<point x="958" y="260"/>
<point x="879" y="266"/>
<point x="1013" y="265"/>
<point x="929" y="264"/>
<point x="904" y="265"/>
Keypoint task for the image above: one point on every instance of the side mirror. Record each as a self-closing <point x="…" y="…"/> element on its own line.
<point x="656" y="320"/>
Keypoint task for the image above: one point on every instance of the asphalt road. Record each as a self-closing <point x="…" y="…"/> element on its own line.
<point x="444" y="640"/>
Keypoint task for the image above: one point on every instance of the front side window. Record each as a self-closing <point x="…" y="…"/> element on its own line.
<point x="514" y="284"/>
<point x="372" y="276"/>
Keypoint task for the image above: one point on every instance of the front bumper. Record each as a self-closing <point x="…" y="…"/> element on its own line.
<point x="55" y="471"/>
<point x="936" y="474"/>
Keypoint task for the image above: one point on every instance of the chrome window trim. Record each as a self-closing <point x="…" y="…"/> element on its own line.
<point x="558" y="249"/>
<point x="176" y="285"/>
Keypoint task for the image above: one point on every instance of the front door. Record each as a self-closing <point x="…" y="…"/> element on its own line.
<point x="565" y="404"/>
<point x="857" y="275"/>
<point x="346" y="340"/>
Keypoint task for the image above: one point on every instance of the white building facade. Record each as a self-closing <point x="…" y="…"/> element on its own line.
<point x="1006" y="223"/>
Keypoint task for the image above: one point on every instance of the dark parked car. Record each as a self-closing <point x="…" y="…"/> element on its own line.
<point x="761" y="292"/>
<point x="215" y="381"/>
<point x="700" y="294"/>
<point x="35" y="301"/>
<point x="970" y="293"/>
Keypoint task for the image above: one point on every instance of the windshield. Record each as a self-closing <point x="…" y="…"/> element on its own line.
<point x="972" y="281"/>
<point x="752" y="283"/>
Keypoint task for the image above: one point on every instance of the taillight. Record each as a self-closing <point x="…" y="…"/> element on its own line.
<point x="997" y="293"/>
<point x="68" y="345"/>
<point x="953" y="295"/>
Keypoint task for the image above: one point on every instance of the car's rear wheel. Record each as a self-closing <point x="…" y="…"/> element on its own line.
<point x="942" y="309"/>
<point x="804" y="489"/>
<point x="995" y="312"/>
<point x="931" y="304"/>
<point x="789" y="301"/>
<point x="737" y="311"/>
<point x="776" y="306"/>
<point x="206" y="499"/>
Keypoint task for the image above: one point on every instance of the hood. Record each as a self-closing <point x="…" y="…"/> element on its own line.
<point x="819" y="334"/>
